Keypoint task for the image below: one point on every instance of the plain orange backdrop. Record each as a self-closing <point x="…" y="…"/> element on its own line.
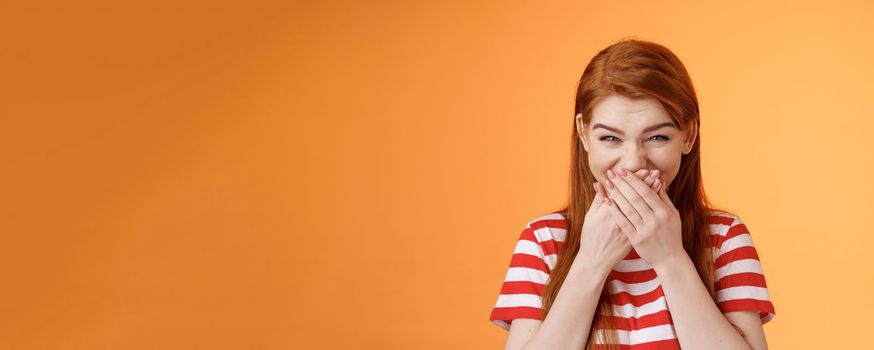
<point x="354" y="175"/>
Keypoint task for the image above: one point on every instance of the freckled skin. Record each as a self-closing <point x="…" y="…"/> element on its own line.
<point x="635" y="149"/>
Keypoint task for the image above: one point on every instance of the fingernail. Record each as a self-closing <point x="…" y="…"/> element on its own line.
<point x="656" y="184"/>
<point x="611" y="174"/>
<point x="623" y="172"/>
<point x="655" y="173"/>
<point x="610" y="184"/>
<point x="643" y="172"/>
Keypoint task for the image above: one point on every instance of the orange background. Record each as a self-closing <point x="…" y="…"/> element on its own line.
<point x="354" y="175"/>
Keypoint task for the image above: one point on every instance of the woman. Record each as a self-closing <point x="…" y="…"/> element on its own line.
<point x="638" y="256"/>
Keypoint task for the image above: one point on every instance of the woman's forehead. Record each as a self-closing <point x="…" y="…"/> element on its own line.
<point x="623" y="111"/>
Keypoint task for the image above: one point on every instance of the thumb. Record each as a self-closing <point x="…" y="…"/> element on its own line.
<point x="599" y="197"/>
<point x="663" y="194"/>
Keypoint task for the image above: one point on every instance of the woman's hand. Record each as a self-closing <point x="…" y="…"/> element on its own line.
<point x="602" y="243"/>
<point x="646" y="216"/>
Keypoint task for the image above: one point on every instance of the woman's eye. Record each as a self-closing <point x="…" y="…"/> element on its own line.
<point x="611" y="138"/>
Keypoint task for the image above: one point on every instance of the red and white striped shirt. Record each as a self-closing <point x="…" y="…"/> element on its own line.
<point x="643" y="320"/>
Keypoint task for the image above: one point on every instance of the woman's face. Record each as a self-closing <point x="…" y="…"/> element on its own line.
<point x="634" y="134"/>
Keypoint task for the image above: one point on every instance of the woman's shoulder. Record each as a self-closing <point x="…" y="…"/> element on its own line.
<point x="721" y="217"/>
<point x="552" y="220"/>
<point x="548" y="227"/>
<point x="725" y="225"/>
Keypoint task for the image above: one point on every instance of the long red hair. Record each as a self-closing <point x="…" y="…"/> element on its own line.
<point x="635" y="69"/>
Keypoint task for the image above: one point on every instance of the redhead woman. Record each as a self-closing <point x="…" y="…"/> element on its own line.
<point x="638" y="258"/>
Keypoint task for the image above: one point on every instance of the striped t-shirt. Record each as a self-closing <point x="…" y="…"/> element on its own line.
<point x="643" y="318"/>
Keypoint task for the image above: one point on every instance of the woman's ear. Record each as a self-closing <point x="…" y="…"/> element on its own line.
<point x="690" y="134"/>
<point x="581" y="130"/>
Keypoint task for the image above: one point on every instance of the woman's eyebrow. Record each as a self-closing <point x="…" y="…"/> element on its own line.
<point x="648" y="129"/>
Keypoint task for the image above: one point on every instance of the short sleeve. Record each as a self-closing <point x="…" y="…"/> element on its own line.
<point x="740" y="279"/>
<point x="521" y="293"/>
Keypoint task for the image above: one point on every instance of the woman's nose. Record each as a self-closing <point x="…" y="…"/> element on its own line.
<point x="634" y="163"/>
<point x="634" y="169"/>
<point x="634" y="159"/>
